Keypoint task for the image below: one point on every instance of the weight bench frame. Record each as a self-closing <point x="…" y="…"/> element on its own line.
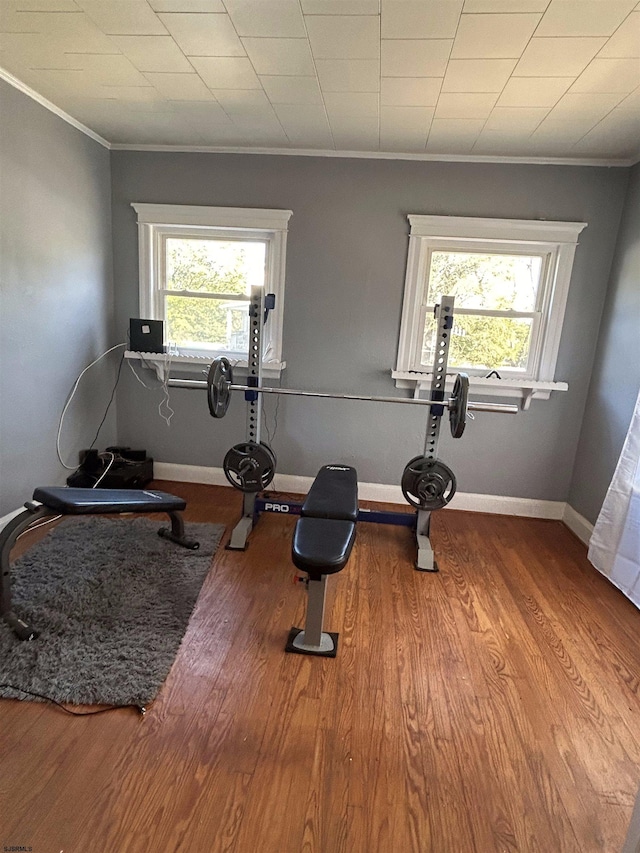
<point x="35" y="511"/>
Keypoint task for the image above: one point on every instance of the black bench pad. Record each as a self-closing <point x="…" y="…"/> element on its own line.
<point x="333" y="494"/>
<point x="322" y="546"/>
<point x="85" y="501"/>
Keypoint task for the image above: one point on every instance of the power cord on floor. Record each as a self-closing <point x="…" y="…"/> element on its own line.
<point x="140" y="708"/>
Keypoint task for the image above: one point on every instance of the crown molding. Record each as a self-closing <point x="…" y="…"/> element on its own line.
<point x="313" y="152"/>
<point x="31" y="93"/>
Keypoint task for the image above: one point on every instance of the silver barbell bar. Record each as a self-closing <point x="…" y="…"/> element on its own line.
<point x="473" y="406"/>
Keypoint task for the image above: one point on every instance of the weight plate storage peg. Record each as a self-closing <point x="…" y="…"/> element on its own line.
<point x="428" y="483"/>
<point x="249" y="467"/>
<point x="219" y="382"/>
<point x="458" y="406"/>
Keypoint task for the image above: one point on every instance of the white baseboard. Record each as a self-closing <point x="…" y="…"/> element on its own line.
<point x="578" y="524"/>
<point x="382" y="492"/>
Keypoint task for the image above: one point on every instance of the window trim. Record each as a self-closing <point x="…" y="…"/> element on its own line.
<point x="156" y="221"/>
<point x="558" y="240"/>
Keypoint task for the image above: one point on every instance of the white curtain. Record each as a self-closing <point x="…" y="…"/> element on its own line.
<point x="614" y="548"/>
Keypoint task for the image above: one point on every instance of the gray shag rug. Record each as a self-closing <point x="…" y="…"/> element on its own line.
<point x="111" y="601"/>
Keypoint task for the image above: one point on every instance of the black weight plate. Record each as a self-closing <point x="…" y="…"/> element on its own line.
<point x="219" y="380"/>
<point x="458" y="414"/>
<point x="249" y="467"/>
<point x="427" y="483"/>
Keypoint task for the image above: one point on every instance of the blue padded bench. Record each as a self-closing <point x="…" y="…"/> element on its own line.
<point x="322" y="542"/>
<point x="52" y="501"/>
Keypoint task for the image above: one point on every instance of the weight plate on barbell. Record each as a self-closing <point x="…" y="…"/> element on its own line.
<point x="219" y="382"/>
<point x="249" y="467"/>
<point x="428" y="483"/>
<point x="458" y="411"/>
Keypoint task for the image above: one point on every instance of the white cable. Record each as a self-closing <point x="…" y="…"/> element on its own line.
<point x="68" y="403"/>
<point x="105" y="472"/>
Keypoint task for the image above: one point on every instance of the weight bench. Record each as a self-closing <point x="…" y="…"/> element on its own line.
<point x="322" y="542"/>
<point x="54" y="501"/>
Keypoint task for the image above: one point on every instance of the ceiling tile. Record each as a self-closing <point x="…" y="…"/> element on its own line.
<point x="410" y="91"/>
<point x="593" y="107"/>
<point x="406" y="19"/>
<point x="305" y="125"/>
<point x="348" y="75"/>
<point x="415" y="119"/>
<point x="110" y="70"/>
<point x="180" y="87"/>
<point x="351" y="104"/>
<point x="356" y="135"/>
<point x="517" y="120"/>
<point x="534" y="91"/>
<point x="275" y="18"/>
<point x="583" y="17"/>
<point x="625" y="42"/>
<point x="493" y="36"/>
<point x="240" y="103"/>
<point x="477" y="75"/>
<point x="505" y="6"/>
<point x="565" y="133"/>
<point x="203" y="35"/>
<point x="290" y="57"/>
<point x="340" y="7"/>
<point x="133" y="94"/>
<point x="75" y="32"/>
<point x="153" y="53"/>
<point x="212" y="6"/>
<point x="499" y="143"/>
<point x="40" y="5"/>
<point x="609" y="75"/>
<point x="631" y="102"/>
<point x="292" y="90"/>
<point x="419" y="58"/>
<point x="35" y="50"/>
<point x="344" y="36"/>
<point x="453" y="136"/>
<point x="462" y="105"/>
<point x="122" y="17"/>
<point x="226" y="72"/>
<point x="557" y="57"/>
<point x="618" y="132"/>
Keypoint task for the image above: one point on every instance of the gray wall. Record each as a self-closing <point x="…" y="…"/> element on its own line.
<point x="56" y="293"/>
<point x="346" y="261"/>
<point x="616" y="374"/>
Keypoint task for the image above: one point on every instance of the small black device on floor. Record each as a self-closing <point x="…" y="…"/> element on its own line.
<point x="146" y="335"/>
<point x="131" y="469"/>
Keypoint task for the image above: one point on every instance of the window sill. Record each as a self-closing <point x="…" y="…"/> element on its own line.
<point x="161" y="363"/>
<point x="523" y="389"/>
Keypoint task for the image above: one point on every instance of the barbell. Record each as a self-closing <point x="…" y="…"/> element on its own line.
<point x="220" y="385"/>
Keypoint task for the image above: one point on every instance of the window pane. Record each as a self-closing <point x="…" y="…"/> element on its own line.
<point x="485" y="343"/>
<point x="490" y="282"/>
<point x="214" y="266"/>
<point x="208" y="324"/>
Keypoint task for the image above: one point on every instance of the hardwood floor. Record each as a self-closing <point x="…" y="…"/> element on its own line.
<point x="490" y="707"/>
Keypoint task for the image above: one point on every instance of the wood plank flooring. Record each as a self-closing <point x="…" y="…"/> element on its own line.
<point x="489" y="708"/>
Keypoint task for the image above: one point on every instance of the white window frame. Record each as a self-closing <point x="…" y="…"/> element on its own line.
<point x="156" y="222"/>
<point x="556" y="241"/>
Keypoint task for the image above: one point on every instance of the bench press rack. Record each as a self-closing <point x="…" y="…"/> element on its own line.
<point x="429" y="478"/>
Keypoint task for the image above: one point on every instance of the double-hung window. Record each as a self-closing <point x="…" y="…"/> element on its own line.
<point x="197" y="266"/>
<point x="510" y="280"/>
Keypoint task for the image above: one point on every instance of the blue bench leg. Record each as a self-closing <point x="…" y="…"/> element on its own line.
<point x="312" y="640"/>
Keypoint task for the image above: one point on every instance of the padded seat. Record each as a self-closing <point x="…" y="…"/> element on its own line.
<point x="322" y="546"/>
<point x="333" y="494"/>
<point x="86" y="501"/>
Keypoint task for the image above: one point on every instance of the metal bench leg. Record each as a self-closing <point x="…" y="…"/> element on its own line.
<point x="8" y="537"/>
<point x="313" y="640"/>
<point x="176" y="534"/>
